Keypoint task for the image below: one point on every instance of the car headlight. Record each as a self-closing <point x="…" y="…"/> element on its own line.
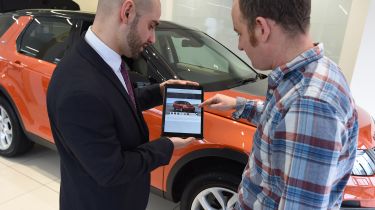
<point x="364" y="164"/>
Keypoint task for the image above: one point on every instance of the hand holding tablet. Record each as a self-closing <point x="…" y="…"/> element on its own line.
<point x="179" y="143"/>
<point x="182" y="116"/>
<point x="176" y="82"/>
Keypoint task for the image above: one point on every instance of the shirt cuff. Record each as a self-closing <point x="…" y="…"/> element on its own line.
<point x="240" y="107"/>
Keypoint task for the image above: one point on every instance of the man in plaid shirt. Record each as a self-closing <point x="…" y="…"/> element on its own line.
<point x="305" y="143"/>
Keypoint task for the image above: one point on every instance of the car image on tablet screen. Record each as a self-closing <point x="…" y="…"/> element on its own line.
<point x="183" y="106"/>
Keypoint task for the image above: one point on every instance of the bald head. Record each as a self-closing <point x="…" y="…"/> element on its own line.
<point x="107" y="7"/>
<point x="145" y="5"/>
<point x="127" y="26"/>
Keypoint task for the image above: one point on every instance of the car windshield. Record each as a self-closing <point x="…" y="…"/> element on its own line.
<point x="195" y="56"/>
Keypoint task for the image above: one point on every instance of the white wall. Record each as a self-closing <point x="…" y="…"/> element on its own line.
<point x="363" y="82"/>
<point x="353" y="36"/>
<point x="88" y="5"/>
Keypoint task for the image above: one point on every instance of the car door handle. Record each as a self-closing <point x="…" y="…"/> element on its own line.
<point x="18" y="63"/>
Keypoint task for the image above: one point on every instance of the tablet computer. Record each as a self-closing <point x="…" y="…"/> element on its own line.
<point x="181" y="115"/>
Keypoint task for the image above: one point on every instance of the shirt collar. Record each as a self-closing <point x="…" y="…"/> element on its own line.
<point x="303" y="59"/>
<point x="109" y="56"/>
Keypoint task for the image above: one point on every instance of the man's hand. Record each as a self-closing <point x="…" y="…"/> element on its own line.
<point x="176" y="82"/>
<point x="180" y="142"/>
<point x="220" y="102"/>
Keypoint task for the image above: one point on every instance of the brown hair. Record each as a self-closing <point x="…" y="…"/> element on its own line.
<point x="292" y="15"/>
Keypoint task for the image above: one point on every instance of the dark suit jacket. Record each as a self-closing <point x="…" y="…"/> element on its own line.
<point x="105" y="154"/>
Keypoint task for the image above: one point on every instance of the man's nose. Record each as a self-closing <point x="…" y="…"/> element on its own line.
<point x="240" y="47"/>
<point x="152" y="38"/>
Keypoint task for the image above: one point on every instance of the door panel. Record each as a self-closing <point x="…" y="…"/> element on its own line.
<point x="41" y="47"/>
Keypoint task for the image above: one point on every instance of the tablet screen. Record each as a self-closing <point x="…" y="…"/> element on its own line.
<point x="181" y="115"/>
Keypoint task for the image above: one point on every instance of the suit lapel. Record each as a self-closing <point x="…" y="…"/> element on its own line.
<point x="103" y="68"/>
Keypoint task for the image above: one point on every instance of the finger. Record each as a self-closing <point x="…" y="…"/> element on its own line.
<point x="218" y="106"/>
<point x="170" y="81"/>
<point x="182" y="82"/>
<point x="186" y="82"/>
<point x="207" y="102"/>
<point x="192" y="83"/>
<point x="189" y="140"/>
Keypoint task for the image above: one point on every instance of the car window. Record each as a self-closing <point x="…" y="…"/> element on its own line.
<point x="195" y="56"/>
<point x="189" y="52"/>
<point x="6" y="21"/>
<point x="143" y="73"/>
<point x="46" y="38"/>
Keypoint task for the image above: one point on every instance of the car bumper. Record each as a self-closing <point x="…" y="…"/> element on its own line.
<point x="360" y="192"/>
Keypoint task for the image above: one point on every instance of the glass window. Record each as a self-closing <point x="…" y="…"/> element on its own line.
<point x="6" y="21"/>
<point x="212" y="17"/>
<point x="191" y="52"/>
<point x="46" y="38"/>
<point x="195" y="56"/>
<point x="328" y="21"/>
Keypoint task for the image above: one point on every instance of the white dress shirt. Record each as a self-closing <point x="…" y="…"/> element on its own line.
<point x="109" y="56"/>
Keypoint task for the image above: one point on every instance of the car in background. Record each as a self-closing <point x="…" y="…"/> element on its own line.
<point x="12" y="5"/>
<point x="183" y="106"/>
<point x="204" y="175"/>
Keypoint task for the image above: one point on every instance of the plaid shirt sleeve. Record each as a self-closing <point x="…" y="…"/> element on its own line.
<point x="248" y="109"/>
<point x="307" y="144"/>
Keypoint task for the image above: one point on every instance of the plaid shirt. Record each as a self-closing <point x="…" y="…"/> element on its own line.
<point x="305" y="144"/>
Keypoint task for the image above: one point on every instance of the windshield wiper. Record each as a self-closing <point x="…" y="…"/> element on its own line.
<point x="248" y="80"/>
<point x="242" y="82"/>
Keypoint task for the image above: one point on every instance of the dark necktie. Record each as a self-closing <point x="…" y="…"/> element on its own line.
<point x="125" y="75"/>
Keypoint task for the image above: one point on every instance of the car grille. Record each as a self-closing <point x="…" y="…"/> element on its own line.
<point x="364" y="164"/>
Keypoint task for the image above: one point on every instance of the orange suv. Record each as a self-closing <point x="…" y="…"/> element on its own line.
<point x="201" y="176"/>
<point x="183" y="106"/>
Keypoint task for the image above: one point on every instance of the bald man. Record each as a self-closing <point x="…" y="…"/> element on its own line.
<point x="96" y="116"/>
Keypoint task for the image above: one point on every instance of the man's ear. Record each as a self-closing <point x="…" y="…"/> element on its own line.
<point x="262" y="29"/>
<point x="127" y="10"/>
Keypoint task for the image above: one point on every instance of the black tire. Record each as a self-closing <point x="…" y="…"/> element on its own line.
<point x="206" y="181"/>
<point x="19" y="143"/>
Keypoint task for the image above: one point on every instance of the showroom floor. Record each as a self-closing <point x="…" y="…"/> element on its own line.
<point x="31" y="182"/>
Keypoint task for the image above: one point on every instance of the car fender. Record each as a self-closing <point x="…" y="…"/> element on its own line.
<point x="4" y="93"/>
<point x="223" y="153"/>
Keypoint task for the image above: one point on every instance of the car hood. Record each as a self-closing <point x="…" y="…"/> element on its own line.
<point x="251" y="91"/>
<point x="366" y="137"/>
<point x="257" y="91"/>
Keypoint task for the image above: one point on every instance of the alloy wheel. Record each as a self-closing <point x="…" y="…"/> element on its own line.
<point x="215" y="198"/>
<point x="6" y="131"/>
